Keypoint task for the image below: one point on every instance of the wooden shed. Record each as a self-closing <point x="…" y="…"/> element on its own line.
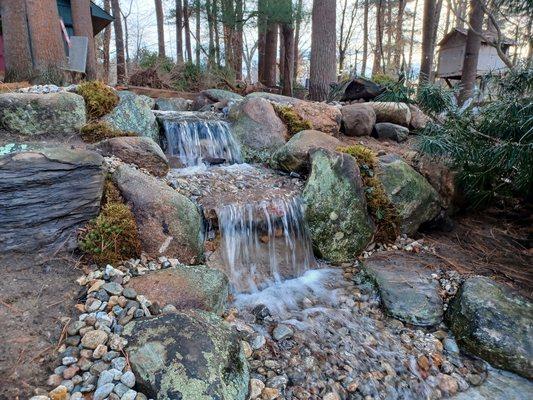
<point x="452" y="53"/>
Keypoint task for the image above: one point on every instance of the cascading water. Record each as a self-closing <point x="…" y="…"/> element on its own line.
<point x="265" y="242"/>
<point x="195" y="140"/>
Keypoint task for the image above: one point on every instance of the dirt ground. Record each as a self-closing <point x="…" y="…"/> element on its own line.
<point x="497" y="243"/>
<point x="34" y="296"/>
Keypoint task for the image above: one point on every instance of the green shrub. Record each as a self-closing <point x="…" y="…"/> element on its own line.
<point x="99" y="98"/>
<point x="379" y="206"/>
<point x="291" y="119"/>
<point x="489" y="144"/>
<point x="94" y="132"/>
<point x="112" y="236"/>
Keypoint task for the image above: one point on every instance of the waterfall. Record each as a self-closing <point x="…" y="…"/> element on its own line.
<point x="195" y="140"/>
<point x="264" y="242"/>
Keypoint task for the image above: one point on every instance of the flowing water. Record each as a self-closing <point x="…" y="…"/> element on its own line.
<point x="195" y="139"/>
<point x="264" y="242"/>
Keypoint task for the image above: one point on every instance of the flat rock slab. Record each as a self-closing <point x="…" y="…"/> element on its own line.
<point x="499" y="385"/>
<point x="190" y="355"/>
<point x="141" y="151"/>
<point x="185" y="287"/>
<point x="407" y="290"/>
<point x="32" y="114"/>
<point x="45" y="195"/>
<point x="494" y="323"/>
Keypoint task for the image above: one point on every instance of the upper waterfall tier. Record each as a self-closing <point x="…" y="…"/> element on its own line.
<point x="196" y="138"/>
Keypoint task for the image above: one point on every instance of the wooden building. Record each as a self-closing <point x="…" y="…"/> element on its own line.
<point x="100" y="20"/>
<point x="452" y="53"/>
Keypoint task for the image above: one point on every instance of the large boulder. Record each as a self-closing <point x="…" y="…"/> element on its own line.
<point x="323" y="117"/>
<point x="494" y="323"/>
<point x="294" y="155"/>
<point x="134" y="114"/>
<point x="185" y="287"/>
<point x="419" y="120"/>
<point x="499" y="385"/>
<point x="168" y="222"/>
<point x="141" y="151"/>
<point x="335" y="207"/>
<point x="45" y="195"/>
<point x="388" y="131"/>
<point x="355" y="89"/>
<point x="414" y="198"/>
<point x="188" y="355"/>
<point x="173" y="104"/>
<point x="258" y="128"/>
<point x="32" y="114"/>
<point x="358" y="119"/>
<point x="395" y="113"/>
<point x="416" y="303"/>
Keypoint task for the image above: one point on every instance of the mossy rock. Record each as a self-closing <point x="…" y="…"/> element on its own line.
<point x="294" y="122"/>
<point x="190" y="355"/>
<point x="94" y="132"/>
<point x="492" y="322"/>
<point x="336" y="209"/>
<point x="413" y="197"/>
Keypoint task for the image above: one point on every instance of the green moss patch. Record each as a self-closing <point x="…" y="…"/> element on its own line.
<point x="381" y="209"/>
<point x="112" y="236"/>
<point x="291" y="119"/>
<point x="96" y="131"/>
<point x="99" y="98"/>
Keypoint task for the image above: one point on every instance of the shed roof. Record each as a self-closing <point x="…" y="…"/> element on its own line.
<point x="487" y="36"/>
<point x="100" y="18"/>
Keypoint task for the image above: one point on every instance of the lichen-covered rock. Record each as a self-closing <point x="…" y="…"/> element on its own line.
<point x="358" y="119"/>
<point x="216" y="95"/>
<point x="413" y="197"/>
<point x="36" y="114"/>
<point x="185" y="287"/>
<point x="45" y="195"/>
<point x="336" y="209"/>
<point x="416" y="303"/>
<point x="134" y="114"/>
<point x="141" y="151"/>
<point x="388" y="131"/>
<point x="395" y="113"/>
<point x="173" y="104"/>
<point x="168" y="222"/>
<point x="494" y="323"/>
<point x="190" y="355"/>
<point x="294" y="155"/>
<point x="257" y="127"/>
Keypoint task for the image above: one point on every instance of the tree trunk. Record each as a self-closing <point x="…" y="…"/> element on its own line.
<point x="179" y="32"/>
<point x="45" y="34"/>
<point x="428" y="27"/>
<point x="529" y="62"/>
<point x="197" y="46"/>
<point x="288" y="54"/>
<point x="237" y="39"/>
<point x="323" y="49"/>
<point x="448" y="17"/>
<point x="211" y="48"/>
<point x="296" y="51"/>
<point x="388" y="29"/>
<point x="107" y="43"/>
<point x="119" y="42"/>
<point x="378" y="50"/>
<point x="473" y="44"/>
<point x="365" y="38"/>
<point x="412" y="39"/>
<point x="271" y="47"/>
<point x="160" y="28"/>
<point x="83" y="26"/>
<point x="436" y="22"/>
<point x="17" y="50"/>
<point x="126" y="42"/>
<point x="217" y="34"/>
<point x="398" y="46"/>
<point x="281" y="64"/>
<point x="261" y="40"/>
<point x="186" y="26"/>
